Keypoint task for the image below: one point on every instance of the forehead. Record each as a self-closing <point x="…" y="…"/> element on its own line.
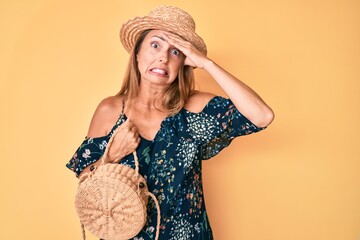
<point x="155" y="33"/>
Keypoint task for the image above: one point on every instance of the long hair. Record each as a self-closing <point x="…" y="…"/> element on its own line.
<point x="175" y="96"/>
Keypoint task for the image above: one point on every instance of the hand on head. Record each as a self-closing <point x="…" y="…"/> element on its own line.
<point x="193" y="57"/>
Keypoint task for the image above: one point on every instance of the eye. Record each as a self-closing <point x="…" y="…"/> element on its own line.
<point x="154" y="45"/>
<point x="175" y="52"/>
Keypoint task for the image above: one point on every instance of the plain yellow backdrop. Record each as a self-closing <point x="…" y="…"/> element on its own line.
<point x="298" y="180"/>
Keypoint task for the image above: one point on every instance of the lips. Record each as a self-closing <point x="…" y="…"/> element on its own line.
<point x="160" y="71"/>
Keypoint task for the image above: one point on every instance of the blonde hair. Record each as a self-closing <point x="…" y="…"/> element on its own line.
<point x="175" y="96"/>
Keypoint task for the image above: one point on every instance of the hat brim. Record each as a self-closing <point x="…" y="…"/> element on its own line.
<point x="131" y="30"/>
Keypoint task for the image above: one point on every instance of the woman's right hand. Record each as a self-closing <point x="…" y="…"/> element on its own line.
<point x="125" y="142"/>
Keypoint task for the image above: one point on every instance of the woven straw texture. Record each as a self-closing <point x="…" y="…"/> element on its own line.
<point x="166" y="18"/>
<point x="110" y="204"/>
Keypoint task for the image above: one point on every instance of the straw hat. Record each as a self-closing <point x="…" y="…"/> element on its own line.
<point x="166" y="18"/>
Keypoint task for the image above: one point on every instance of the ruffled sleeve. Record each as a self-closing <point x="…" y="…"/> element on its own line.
<point x="89" y="152"/>
<point x="227" y="123"/>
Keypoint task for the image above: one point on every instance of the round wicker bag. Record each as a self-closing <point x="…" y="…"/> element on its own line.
<point x="111" y="200"/>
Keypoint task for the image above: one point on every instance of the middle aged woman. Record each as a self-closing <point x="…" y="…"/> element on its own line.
<point x="171" y="126"/>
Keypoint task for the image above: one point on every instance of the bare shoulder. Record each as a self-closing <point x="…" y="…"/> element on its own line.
<point x="198" y="101"/>
<point x="105" y="116"/>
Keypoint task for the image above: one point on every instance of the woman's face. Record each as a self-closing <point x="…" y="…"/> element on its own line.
<point x="158" y="61"/>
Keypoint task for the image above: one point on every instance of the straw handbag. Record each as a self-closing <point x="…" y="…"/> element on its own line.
<point x="111" y="200"/>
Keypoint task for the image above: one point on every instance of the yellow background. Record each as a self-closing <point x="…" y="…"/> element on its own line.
<point x="299" y="179"/>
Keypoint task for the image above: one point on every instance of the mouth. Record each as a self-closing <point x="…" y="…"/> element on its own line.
<point x="159" y="71"/>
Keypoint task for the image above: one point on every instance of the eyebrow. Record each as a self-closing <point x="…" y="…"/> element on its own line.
<point x="158" y="37"/>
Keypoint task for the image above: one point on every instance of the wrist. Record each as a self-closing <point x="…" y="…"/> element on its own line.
<point x="207" y="64"/>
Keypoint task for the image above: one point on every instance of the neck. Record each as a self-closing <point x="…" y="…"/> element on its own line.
<point x="149" y="97"/>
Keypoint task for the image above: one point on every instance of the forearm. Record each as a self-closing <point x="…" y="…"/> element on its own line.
<point x="246" y="100"/>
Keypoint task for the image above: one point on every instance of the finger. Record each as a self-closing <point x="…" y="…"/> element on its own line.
<point x="129" y="123"/>
<point x="189" y="50"/>
<point x="136" y="143"/>
<point x="194" y="57"/>
<point x="129" y="126"/>
<point x="174" y="37"/>
<point x="175" y="41"/>
<point x="133" y="128"/>
<point x="125" y="125"/>
<point x="134" y="133"/>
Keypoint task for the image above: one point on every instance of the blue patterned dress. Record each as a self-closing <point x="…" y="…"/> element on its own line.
<point x="172" y="163"/>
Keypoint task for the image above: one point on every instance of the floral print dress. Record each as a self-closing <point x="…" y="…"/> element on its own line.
<point x="171" y="164"/>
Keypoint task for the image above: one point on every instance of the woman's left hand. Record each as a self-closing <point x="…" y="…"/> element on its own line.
<point x="193" y="57"/>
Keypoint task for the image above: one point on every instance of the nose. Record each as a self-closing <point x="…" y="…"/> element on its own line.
<point x="163" y="58"/>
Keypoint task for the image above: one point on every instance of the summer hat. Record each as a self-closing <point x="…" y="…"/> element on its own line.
<point x="166" y="18"/>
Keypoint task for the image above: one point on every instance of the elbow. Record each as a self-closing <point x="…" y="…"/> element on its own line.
<point x="266" y="118"/>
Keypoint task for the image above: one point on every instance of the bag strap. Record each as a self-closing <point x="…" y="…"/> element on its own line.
<point x="83" y="231"/>
<point x="118" y="121"/>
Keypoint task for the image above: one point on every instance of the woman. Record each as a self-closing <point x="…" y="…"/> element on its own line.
<point x="171" y="126"/>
